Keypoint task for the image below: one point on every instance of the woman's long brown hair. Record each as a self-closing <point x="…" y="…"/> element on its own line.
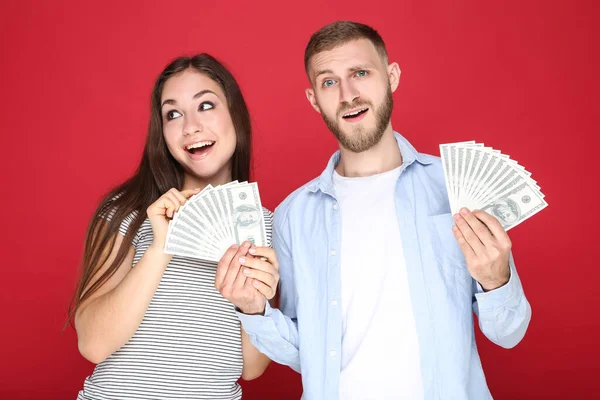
<point x="157" y="172"/>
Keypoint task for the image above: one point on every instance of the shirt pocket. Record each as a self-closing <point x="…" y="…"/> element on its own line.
<point x="447" y="251"/>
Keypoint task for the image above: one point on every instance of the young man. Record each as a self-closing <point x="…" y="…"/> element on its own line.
<point x="378" y="281"/>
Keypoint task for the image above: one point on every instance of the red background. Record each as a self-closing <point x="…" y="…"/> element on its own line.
<point x="520" y="76"/>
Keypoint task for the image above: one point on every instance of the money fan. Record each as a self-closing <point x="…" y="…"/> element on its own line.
<point x="211" y="221"/>
<point x="479" y="177"/>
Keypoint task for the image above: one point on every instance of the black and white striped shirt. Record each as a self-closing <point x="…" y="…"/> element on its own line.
<point x="188" y="346"/>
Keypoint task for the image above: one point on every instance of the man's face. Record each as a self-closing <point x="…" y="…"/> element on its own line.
<point x="352" y="90"/>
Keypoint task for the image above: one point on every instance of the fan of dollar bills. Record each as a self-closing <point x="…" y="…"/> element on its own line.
<point x="215" y="218"/>
<point x="479" y="177"/>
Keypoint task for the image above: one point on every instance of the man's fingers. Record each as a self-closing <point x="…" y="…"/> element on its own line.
<point x="234" y="265"/>
<point x="240" y="279"/>
<point x="223" y="266"/>
<point x="462" y="242"/>
<point x="259" y="264"/>
<point x="266" y="254"/>
<point x="266" y="278"/>
<point x="265" y="290"/>
<point x="494" y="226"/>
<point x="480" y="229"/>
<point x="468" y="234"/>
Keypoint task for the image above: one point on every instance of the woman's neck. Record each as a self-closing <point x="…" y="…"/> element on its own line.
<point x="192" y="181"/>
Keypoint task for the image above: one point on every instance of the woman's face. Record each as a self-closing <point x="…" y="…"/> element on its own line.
<point x="197" y="127"/>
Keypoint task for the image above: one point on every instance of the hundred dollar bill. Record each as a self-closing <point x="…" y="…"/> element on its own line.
<point x="516" y="205"/>
<point x="248" y="222"/>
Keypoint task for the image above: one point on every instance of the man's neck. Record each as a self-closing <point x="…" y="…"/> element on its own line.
<point x="383" y="157"/>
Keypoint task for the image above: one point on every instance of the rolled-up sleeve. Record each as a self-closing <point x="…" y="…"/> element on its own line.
<point x="504" y="313"/>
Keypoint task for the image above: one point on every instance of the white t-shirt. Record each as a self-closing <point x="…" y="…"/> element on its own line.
<point x="380" y="349"/>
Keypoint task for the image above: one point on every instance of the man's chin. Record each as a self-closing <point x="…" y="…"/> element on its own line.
<point x="355" y="129"/>
<point x="360" y="136"/>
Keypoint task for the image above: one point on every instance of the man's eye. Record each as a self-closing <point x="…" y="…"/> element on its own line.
<point x="328" y="83"/>
<point x="361" y="73"/>
<point x="205" y="105"/>
<point x="172" y="115"/>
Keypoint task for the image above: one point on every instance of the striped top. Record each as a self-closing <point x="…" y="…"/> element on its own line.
<point x="188" y="346"/>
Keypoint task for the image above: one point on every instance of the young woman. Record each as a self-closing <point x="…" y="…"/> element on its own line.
<point x="154" y="323"/>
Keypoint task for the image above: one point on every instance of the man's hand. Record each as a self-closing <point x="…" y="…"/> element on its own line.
<point x="247" y="276"/>
<point x="486" y="247"/>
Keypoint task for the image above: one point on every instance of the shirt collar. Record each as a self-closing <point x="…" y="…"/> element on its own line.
<point x="409" y="155"/>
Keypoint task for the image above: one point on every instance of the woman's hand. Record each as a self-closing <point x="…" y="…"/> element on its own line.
<point x="163" y="209"/>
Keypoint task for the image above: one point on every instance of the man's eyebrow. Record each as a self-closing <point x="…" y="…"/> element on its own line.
<point x="322" y="72"/>
<point x="359" y="68"/>
<point x="353" y="69"/>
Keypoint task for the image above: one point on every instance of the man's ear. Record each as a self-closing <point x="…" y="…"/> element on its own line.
<point x="394" y="76"/>
<point x="310" y="95"/>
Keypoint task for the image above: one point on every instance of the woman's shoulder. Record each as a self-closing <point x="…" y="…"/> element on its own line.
<point x="267" y="213"/>
<point x="268" y="217"/>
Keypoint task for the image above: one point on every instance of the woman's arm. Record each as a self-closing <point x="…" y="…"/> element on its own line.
<point x="108" y="319"/>
<point x="255" y="363"/>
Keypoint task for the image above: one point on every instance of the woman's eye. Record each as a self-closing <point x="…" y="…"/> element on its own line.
<point x="172" y="115"/>
<point x="206" y="105"/>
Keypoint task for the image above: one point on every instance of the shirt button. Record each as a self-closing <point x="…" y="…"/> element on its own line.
<point x="332" y="252"/>
<point x="332" y="353"/>
<point x="335" y="206"/>
<point x="334" y="302"/>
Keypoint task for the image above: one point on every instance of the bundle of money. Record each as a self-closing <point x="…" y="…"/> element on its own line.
<point x="479" y="177"/>
<point x="215" y="218"/>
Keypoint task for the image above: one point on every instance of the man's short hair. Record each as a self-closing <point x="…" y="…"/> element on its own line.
<point x="339" y="33"/>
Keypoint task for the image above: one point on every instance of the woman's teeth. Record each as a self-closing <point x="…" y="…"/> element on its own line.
<point x="200" y="144"/>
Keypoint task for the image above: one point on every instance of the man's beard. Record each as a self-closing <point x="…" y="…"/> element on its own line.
<point x="361" y="140"/>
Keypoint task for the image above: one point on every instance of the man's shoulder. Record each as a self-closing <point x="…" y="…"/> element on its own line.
<point x="430" y="159"/>
<point x="426" y="159"/>
<point x="431" y="165"/>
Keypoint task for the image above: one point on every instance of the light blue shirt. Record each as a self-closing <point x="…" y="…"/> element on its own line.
<point x="306" y="332"/>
